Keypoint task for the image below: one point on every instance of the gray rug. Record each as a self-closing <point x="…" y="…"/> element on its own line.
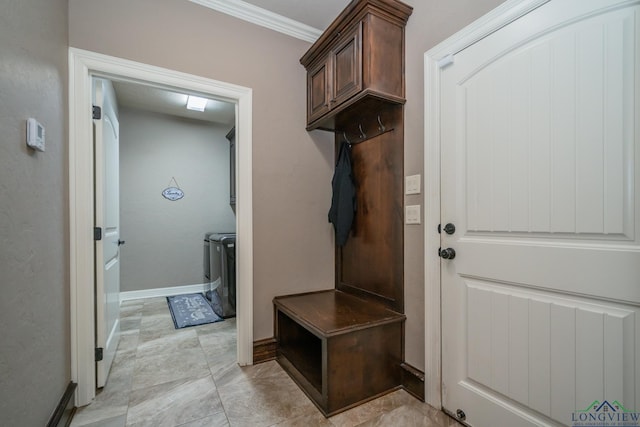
<point x="191" y="310"/>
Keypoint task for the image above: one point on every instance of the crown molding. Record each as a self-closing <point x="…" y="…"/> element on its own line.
<point x="259" y="16"/>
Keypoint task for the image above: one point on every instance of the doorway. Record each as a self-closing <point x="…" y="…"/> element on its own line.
<point x="83" y="66"/>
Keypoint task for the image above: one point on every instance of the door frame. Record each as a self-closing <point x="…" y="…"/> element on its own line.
<point x="435" y="59"/>
<point x="82" y="66"/>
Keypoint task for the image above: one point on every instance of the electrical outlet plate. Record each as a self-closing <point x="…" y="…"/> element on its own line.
<point x="412" y="214"/>
<point x="412" y="184"/>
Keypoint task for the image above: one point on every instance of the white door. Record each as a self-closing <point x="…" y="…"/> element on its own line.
<point x="540" y="149"/>
<point x="106" y="133"/>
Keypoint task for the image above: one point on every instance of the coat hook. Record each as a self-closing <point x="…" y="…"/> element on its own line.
<point x="344" y="134"/>
<point x="381" y="127"/>
<point x="362" y="134"/>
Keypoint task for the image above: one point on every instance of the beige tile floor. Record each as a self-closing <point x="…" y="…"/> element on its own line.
<point x="163" y="376"/>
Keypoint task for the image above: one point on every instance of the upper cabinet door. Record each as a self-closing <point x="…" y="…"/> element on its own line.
<point x="347" y="66"/>
<point x="318" y="90"/>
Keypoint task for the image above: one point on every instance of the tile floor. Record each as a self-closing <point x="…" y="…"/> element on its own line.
<point x="163" y="376"/>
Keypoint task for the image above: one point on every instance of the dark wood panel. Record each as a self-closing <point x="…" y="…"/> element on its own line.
<point x="330" y="312"/>
<point x="347" y="66"/>
<point x="413" y="381"/>
<point x="318" y="91"/>
<point x="383" y="69"/>
<point x="371" y="263"/>
<point x="363" y="364"/>
<point x="264" y="350"/>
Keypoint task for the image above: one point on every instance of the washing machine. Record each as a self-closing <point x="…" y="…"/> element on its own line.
<point x="222" y="273"/>
<point x="206" y="260"/>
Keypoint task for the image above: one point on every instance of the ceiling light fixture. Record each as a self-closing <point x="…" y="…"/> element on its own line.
<point x="196" y="103"/>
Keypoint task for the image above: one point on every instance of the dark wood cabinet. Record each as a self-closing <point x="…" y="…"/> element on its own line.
<point x="360" y="55"/>
<point x="340" y="349"/>
<point x="337" y="77"/>
<point x="345" y="346"/>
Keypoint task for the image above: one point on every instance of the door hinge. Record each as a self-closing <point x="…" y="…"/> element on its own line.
<point x="97" y="112"/>
<point x="445" y="60"/>
<point x="97" y="233"/>
<point x="99" y="354"/>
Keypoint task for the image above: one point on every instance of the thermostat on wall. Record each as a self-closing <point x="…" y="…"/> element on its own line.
<point x="35" y="135"/>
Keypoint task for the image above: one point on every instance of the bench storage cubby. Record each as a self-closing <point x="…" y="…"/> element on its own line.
<point x="341" y="350"/>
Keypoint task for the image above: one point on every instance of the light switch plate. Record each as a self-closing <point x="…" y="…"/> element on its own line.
<point x="35" y="135"/>
<point x="412" y="214"/>
<point x="412" y="184"/>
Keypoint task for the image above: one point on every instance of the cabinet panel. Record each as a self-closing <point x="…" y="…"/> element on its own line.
<point x="318" y="90"/>
<point x="347" y="67"/>
<point x="371" y="263"/>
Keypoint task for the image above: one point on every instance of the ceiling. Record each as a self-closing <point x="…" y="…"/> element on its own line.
<point x="149" y="98"/>
<point x="314" y="13"/>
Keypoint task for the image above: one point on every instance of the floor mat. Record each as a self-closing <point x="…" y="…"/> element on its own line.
<point x="191" y="310"/>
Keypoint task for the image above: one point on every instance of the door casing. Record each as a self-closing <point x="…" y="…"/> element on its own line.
<point x="434" y="59"/>
<point x="82" y="66"/>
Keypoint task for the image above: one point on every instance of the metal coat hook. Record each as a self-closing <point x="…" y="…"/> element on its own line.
<point x="382" y="129"/>
<point x="362" y="134"/>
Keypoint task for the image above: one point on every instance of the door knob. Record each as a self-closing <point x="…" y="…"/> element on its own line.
<point x="449" y="228"/>
<point x="448" y="253"/>
<point x="120" y="242"/>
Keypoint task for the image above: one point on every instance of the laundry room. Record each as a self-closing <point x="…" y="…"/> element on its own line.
<point x="174" y="187"/>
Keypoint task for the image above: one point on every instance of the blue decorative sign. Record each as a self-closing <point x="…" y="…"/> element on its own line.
<point x="173" y="193"/>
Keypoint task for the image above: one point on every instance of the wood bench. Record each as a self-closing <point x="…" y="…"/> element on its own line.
<point x="340" y="349"/>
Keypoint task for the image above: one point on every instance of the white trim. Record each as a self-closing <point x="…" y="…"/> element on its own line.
<point x="433" y="378"/>
<point x="164" y="292"/>
<point x="488" y="24"/>
<point x="504" y="14"/>
<point x="82" y="65"/>
<point x="265" y="18"/>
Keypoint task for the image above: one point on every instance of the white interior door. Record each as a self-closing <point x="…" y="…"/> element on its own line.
<point x="540" y="148"/>
<point x="106" y="134"/>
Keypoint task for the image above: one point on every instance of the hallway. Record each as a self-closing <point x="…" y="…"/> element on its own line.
<point x="163" y="376"/>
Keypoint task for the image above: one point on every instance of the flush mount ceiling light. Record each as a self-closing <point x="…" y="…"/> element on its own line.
<point x="196" y="103"/>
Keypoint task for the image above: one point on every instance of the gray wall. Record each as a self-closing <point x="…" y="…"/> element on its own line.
<point x="432" y="21"/>
<point x="164" y="238"/>
<point x="34" y="243"/>
<point x="292" y="168"/>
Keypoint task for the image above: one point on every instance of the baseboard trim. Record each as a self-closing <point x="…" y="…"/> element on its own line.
<point x="264" y="350"/>
<point x="413" y="381"/>
<point x="163" y="292"/>
<point x="65" y="409"/>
